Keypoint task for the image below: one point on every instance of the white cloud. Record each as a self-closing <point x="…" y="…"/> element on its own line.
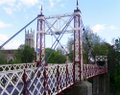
<point x="29" y="2"/>
<point x="98" y="27"/>
<point x="15" y="2"/>
<point x="113" y="27"/>
<point x="8" y="10"/>
<point x="3" y="37"/>
<point x="11" y="6"/>
<point x="4" y="25"/>
<point x="54" y="3"/>
<point x="102" y="27"/>
<point x="7" y="2"/>
<point x="106" y="31"/>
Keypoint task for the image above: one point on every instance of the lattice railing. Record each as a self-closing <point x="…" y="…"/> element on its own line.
<point x="11" y="82"/>
<point x="20" y="66"/>
<point x="91" y="70"/>
<point x="50" y="79"/>
<point x="58" y="77"/>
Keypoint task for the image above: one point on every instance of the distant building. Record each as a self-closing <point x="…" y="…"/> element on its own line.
<point x="29" y="41"/>
<point x="29" y="38"/>
<point x="9" y="54"/>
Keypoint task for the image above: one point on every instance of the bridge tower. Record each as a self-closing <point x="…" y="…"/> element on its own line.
<point x="40" y="39"/>
<point x="78" y="56"/>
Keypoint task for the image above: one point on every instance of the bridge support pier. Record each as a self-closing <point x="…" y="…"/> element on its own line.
<point x="80" y="88"/>
<point x="104" y="85"/>
<point x="100" y="85"/>
<point x="83" y="88"/>
<point x="95" y="86"/>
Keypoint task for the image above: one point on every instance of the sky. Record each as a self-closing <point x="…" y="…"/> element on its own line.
<point x="102" y="16"/>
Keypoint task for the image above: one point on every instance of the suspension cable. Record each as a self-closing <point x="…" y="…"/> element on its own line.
<point x="17" y="33"/>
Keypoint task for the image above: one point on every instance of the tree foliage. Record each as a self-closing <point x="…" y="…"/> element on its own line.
<point x="2" y="58"/>
<point x="92" y="45"/>
<point x="114" y="67"/>
<point x="55" y="56"/>
<point x="25" y="55"/>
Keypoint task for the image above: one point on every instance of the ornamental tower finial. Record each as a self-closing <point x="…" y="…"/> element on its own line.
<point x="41" y="9"/>
<point x="77" y="4"/>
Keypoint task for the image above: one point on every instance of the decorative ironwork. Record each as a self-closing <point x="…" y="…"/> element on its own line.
<point x="43" y="79"/>
<point x="59" y="77"/>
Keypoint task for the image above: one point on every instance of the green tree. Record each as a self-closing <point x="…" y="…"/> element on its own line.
<point x="2" y="58"/>
<point x="55" y="56"/>
<point x="114" y="67"/>
<point x="101" y="48"/>
<point x="92" y="46"/>
<point x="25" y="54"/>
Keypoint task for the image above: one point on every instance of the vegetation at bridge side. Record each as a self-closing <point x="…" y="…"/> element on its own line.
<point x="2" y="58"/>
<point x="55" y="56"/>
<point x="114" y="67"/>
<point x="93" y="45"/>
<point x="24" y="54"/>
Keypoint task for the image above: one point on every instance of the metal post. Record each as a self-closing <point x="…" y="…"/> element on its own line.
<point x="24" y="78"/>
<point x="67" y="75"/>
<point x="40" y="46"/>
<point x="40" y="39"/>
<point x="78" y="64"/>
<point x="58" y="75"/>
<point x="45" y="81"/>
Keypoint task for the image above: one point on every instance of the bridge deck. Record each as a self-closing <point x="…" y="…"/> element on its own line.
<point x="51" y="79"/>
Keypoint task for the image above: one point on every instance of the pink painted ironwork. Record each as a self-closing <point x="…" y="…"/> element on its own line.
<point x="78" y="57"/>
<point x="40" y="39"/>
<point x="56" y="81"/>
<point x="24" y="78"/>
<point x="43" y="79"/>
